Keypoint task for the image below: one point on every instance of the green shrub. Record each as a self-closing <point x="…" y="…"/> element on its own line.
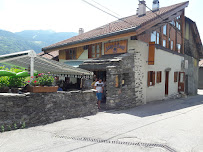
<point x="16" y="82"/>
<point x="4" y="81"/>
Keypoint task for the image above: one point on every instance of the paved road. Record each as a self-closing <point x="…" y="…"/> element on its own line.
<point x="174" y="125"/>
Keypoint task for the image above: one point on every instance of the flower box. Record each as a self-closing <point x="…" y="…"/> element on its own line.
<point x="39" y="89"/>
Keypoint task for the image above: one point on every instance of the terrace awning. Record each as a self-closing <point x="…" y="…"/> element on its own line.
<point x="29" y="60"/>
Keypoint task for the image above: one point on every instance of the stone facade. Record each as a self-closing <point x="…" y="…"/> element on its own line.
<point x="43" y="108"/>
<point x="122" y="68"/>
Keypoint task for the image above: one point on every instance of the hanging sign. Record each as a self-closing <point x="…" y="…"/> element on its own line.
<point x="115" y="47"/>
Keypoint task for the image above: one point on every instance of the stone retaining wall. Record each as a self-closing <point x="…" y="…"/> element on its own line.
<point x="42" y="108"/>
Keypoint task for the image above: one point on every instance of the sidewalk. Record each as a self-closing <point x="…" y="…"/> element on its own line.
<point x="173" y="125"/>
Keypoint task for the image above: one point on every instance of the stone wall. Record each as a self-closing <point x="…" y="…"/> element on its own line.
<point x="43" y="108"/>
<point x="121" y="67"/>
<point x="123" y="96"/>
<point x="191" y="75"/>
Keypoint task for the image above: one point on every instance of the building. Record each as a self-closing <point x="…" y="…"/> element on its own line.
<point x="144" y="57"/>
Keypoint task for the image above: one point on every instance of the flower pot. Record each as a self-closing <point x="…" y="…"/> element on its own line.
<point x="39" y="89"/>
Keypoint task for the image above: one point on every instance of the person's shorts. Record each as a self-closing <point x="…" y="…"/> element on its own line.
<point x="99" y="96"/>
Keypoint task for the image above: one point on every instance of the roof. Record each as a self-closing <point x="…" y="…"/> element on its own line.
<point x="50" y="55"/>
<point x="41" y="64"/>
<point x="196" y="36"/>
<point x="124" y="25"/>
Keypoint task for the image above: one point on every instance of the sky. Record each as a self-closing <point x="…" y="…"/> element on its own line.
<point x="70" y="15"/>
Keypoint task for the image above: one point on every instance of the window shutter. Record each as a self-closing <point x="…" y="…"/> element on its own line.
<point x="157" y="77"/>
<point x="175" y="76"/>
<point x="90" y="51"/>
<point x="151" y="54"/>
<point x="148" y="80"/>
<point x="160" y="76"/>
<point x="153" y="80"/>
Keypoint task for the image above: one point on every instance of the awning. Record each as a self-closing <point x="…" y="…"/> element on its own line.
<point x="43" y="65"/>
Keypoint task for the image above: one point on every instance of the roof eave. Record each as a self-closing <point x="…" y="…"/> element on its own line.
<point x="94" y="38"/>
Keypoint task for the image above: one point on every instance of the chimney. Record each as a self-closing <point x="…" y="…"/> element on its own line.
<point x="81" y="31"/>
<point x="137" y="11"/>
<point x="155" y="5"/>
<point x="142" y="8"/>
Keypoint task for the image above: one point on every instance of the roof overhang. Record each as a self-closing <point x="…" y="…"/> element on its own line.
<point x="41" y="64"/>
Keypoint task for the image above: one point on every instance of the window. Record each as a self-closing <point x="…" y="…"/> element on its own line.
<point x="155" y="37"/>
<point x="171" y="45"/>
<point x="164" y="43"/>
<point x="94" y="51"/>
<point x="158" y="77"/>
<point x="178" y="47"/>
<point x="179" y="26"/>
<point x="70" y="54"/>
<point x="173" y="23"/>
<point x="175" y="76"/>
<point x="151" y="78"/>
<point x="165" y="29"/>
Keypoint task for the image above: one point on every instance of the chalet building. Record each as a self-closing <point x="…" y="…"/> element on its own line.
<point x="152" y="55"/>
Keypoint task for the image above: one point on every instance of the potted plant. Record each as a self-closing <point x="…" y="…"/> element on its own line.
<point x="42" y="83"/>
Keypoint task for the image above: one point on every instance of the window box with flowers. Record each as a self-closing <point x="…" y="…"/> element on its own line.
<point x="42" y="83"/>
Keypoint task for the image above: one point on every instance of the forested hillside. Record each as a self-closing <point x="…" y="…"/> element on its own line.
<point x="29" y="40"/>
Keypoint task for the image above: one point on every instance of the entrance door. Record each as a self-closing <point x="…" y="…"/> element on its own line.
<point x="181" y="82"/>
<point x="166" y="82"/>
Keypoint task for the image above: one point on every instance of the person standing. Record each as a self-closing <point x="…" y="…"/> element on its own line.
<point x="99" y="86"/>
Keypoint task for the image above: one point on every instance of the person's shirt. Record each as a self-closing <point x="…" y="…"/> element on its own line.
<point x="99" y="86"/>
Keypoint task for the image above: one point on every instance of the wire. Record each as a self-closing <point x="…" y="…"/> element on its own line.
<point x="106" y="12"/>
<point x="106" y="8"/>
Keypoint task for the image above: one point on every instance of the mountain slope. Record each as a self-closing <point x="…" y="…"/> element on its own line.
<point x="30" y="40"/>
<point x="48" y="37"/>
<point x="10" y="43"/>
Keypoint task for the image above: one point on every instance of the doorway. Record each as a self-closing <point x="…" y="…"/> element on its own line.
<point x="166" y="82"/>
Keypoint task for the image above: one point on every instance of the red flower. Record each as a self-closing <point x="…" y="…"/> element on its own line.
<point x="28" y="81"/>
<point x="40" y="74"/>
<point x="32" y="77"/>
<point x="35" y="81"/>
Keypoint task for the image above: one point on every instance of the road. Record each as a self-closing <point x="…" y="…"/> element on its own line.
<point x="161" y="126"/>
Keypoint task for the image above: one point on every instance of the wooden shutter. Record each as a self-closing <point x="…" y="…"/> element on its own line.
<point x="151" y="54"/>
<point x="90" y="51"/>
<point x="158" y="78"/>
<point x="153" y="78"/>
<point x="175" y="76"/>
<point x="148" y="80"/>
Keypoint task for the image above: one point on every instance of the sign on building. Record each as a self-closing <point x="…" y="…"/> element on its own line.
<point x="115" y="47"/>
